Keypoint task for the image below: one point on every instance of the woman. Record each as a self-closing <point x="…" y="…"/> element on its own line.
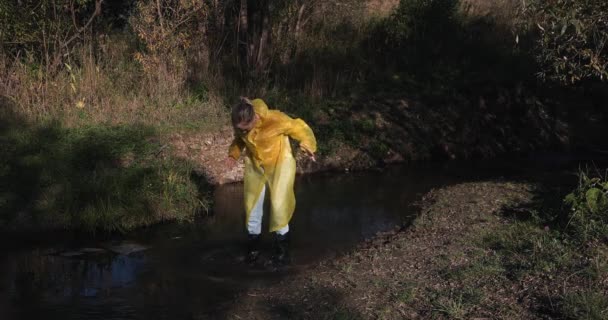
<point x="269" y="165"/>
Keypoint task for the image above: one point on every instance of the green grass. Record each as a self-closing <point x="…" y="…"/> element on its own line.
<point x="523" y="252"/>
<point x="544" y="250"/>
<point x="587" y="305"/>
<point x="528" y="248"/>
<point x="481" y="266"/>
<point x="452" y="305"/>
<point x="407" y="293"/>
<point x="91" y="178"/>
<point x="344" y="315"/>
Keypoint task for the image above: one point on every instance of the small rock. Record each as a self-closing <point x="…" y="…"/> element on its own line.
<point x="127" y="248"/>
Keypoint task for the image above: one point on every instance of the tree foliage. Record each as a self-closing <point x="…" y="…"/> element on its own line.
<point x="47" y="29"/>
<point x="573" y="42"/>
<point x="167" y="29"/>
<point x="588" y="216"/>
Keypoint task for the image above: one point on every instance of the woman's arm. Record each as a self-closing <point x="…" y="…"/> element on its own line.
<point x="298" y="130"/>
<point x="236" y="147"/>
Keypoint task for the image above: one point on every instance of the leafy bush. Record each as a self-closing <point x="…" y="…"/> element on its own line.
<point x="588" y="216"/>
<point x="419" y="29"/>
<point x="419" y="19"/>
<point x="573" y="37"/>
<point x="44" y="29"/>
<point x="168" y="32"/>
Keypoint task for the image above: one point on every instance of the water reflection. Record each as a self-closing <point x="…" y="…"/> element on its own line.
<point x="41" y="283"/>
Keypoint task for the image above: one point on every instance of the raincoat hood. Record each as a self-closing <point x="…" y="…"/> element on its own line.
<point x="260" y="107"/>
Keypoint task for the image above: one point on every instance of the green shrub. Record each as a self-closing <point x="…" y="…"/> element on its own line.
<point x="421" y="19"/>
<point x="588" y="217"/>
<point x="573" y="36"/>
<point x="418" y="30"/>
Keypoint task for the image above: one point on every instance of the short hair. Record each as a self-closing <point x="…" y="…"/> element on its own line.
<point x="242" y="112"/>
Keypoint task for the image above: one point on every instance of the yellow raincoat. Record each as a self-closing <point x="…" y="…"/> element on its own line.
<point x="269" y="160"/>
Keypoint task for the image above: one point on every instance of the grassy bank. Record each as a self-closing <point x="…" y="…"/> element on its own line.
<point x="91" y="178"/>
<point x="489" y="249"/>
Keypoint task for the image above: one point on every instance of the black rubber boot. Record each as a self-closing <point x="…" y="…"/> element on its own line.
<point x="253" y="248"/>
<point x="281" y="250"/>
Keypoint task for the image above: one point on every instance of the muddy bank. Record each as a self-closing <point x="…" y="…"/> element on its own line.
<point x="434" y="269"/>
<point x="208" y="151"/>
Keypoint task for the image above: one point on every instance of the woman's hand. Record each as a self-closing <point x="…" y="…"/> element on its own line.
<point x="310" y="155"/>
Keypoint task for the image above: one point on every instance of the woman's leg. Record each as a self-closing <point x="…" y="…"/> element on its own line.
<point x="254" y="223"/>
<point x="282" y="197"/>
<point x="254" y="193"/>
<point x="283" y="202"/>
<point x="283" y="230"/>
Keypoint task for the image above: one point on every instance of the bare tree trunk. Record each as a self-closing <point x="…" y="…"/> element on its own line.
<point x="243" y="31"/>
<point x="298" y="28"/>
<point x="264" y="35"/>
<point x="299" y="20"/>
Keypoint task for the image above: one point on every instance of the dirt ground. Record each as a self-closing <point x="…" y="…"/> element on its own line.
<point x="412" y="273"/>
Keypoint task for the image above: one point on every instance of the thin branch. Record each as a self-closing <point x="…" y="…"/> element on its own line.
<point x="160" y="17"/>
<point x="73" y="14"/>
<point x="217" y="54"/>
<point x="186" y="19"/>
<point x="81" y="30"/>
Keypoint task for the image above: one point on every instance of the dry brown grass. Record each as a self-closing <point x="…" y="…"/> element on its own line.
<point x="500" y="10"/>
<point x="150" y="76"/>
<point x="380" y="7"/>
<point x="111" y="82"/>
<point x="106" y="86"/>
<point x="503" y="9"/>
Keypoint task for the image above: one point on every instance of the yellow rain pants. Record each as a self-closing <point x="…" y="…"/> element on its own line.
<point x="269" y="160"/>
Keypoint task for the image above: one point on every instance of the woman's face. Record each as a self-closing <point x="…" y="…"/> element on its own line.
<point x="245" y="127"/>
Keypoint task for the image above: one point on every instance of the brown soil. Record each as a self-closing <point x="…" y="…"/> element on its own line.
<point x="208" y="151"/>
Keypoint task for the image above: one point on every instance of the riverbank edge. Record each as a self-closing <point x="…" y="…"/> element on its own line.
<point x="454" y="262"/>
<point x="205" y="152"/>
